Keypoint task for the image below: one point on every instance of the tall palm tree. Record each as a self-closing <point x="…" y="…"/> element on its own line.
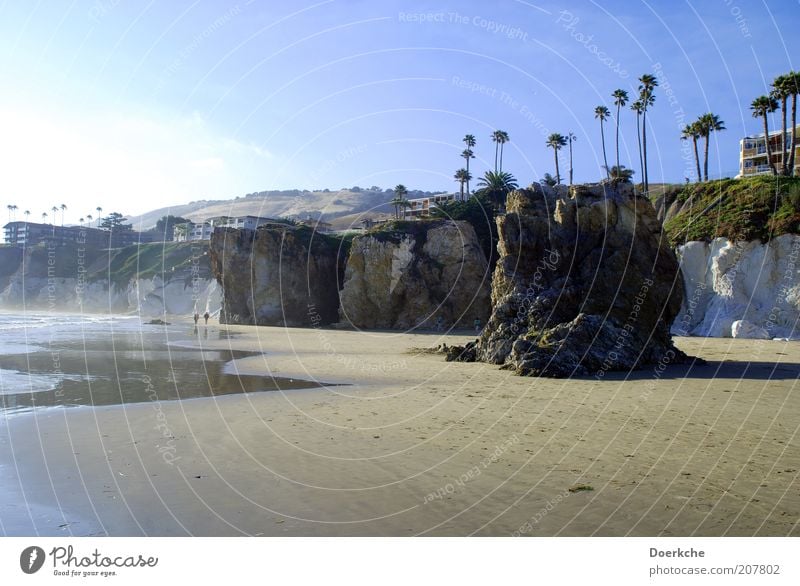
<point x="499" y="138"/>
<point x="99" y="211"/>
<point x="63" y="209"/>
<point x="781" y="91"/>
<point x="461" y="176"/>
<point x="708" y="123"/>
<point x="54" y="209"/>
<point x="762" y="106"/>
<point x="556" y="141"/>
<point x="602" y="113"/>
<point x="80" y="221"/>
<point x="793" y="85"/>
<point x="399" y="200"/>
<point x="44" y="217"/>
<point x="496" y="185"/>
<point x="470" y="142"/>
<point x="89" y="219"/>
<point x="620" y="99"/>
<point x="27" y="213"/>
<point x="570" y="139"/>
<point x="691" y="131"/>
<point x="467" y="155"/>
<point x="637" y="107"/>
<point x="10" y="208"/>
<point x="647" y="83"/>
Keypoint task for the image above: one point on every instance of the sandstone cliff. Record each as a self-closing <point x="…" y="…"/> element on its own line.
<point x="412" y="273"/>
<point x="278" y="274"/>
<point x="746" y="281"/>
<point x="585" y="284"/>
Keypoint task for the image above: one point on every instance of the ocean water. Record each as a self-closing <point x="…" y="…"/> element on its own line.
<point x="50" y="360"/>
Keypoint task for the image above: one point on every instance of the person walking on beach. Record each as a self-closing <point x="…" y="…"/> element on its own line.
<point x="477" y="324"/>
<point x="439" y="323"/>
<point x="206" y="315"/>
<point x="196" y="317"/>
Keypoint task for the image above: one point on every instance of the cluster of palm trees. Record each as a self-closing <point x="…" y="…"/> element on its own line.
<point x="12" y="208"/>
<point x="399" y="202"/>
<point x="783" y="87"/>
<point x="463" y="175"/>
<point x="702" y="128"/>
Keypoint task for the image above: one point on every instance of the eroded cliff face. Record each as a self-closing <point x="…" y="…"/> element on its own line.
<point x="755" y="284"/>
<point x="413" y="274"/>
<point x="71" y="279"/>
<point x="278" y="274"/>
<point x="585" y="284"/>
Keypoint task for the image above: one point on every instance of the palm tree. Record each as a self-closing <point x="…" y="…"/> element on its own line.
<point x="27" y="213"/>
<point x="620" y="174"/>
<point x="556" y="141"/>
<point x="499" y="137"/>
<point x="467" y="154"/>
<point x="548" y="179"/>
<point x="99" y="211"/>
<point x="470" y="142"/>
<point x="706" y="124"/>
<point x="496" y="185"/>
<point x="63" y="209"/>
<point x="602" y="113"/>
<point x="762" y="106"/>
<point x="794" y="77"/>
<point x="44" y="217"/>
<point x="462" y="176"/>
<point x="570" y="139"/>
<point x="620" y="99"/>
<point x="637" y="107"/>
<point x="399" y="200"/>
<point x="10" y="208"/>
<point x="647" y="84"/>
<point x="89" y="219"/>
<point x="691" y="131"/>
<point x="54" y="209"/>
<point x="80" y="221"/>
<point x="780" y="92"/>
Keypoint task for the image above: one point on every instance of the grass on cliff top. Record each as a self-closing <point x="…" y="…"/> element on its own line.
<point x="753" y="208"/>
<point x="145" y="261"/>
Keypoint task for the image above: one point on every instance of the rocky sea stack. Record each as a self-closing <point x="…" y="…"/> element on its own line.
<point x="410" y="274"/>
<point x="586" y="283"/>
<point x="277" y="275"/>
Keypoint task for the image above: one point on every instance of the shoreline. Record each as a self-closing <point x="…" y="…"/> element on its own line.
<point x="413" y="445"/>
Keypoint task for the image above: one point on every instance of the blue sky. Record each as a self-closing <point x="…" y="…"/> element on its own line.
<point x="133" y="105"/>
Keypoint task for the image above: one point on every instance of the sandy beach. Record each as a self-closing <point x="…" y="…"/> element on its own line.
<point x="403" y="443"/>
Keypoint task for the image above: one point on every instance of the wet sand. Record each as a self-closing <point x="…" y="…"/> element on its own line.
<point x="412" y="445"/>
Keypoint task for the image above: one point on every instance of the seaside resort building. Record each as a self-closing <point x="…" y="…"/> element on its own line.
<point x="753" y="153"/>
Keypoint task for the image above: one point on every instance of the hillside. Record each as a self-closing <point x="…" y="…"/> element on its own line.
<point x="282" y="204"/>
<point x="755" y="208"/>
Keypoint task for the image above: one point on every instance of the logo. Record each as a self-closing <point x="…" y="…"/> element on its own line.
<point x="31" y="559"/>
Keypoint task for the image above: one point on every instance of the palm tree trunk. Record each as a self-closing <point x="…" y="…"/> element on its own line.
<point x="501" y="158"/>
<point x="558" y="174"/>
<point x="769" y="148"/>
<point x="467" y="177"/>
<point x="784" y="153"/>
<point x="570" y="161"/>
<point x="705" y="159"/>
<point x="639" y="140"/>
<point x="617" y="136"/>
<point x="496" y="147"/>
<point x="794" y="134"/>
<point x="603" y="139"/>
<point x="697" y="159"/>
<point x="644" y="150"/>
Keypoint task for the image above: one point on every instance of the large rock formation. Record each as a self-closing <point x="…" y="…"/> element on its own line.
<point x="585" y="284"/>
<point x="277" y="275"/>
<point x="413" y="273"/>
<point x="750" y="282"/>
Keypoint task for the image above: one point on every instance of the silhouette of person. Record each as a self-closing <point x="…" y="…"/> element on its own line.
<point x="196" y="317"/>
<point x="206" y="315"/>
<point x="477" y="324"/>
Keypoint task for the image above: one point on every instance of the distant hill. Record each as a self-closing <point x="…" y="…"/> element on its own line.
<point x="328" y="205"/>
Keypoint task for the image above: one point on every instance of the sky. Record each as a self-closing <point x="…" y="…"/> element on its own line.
<point x="133" y="105"/>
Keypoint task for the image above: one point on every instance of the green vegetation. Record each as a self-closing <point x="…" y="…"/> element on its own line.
<point x="146" y="261"/>
<point x="760" y="207"/>
<point x="479" y="212"/>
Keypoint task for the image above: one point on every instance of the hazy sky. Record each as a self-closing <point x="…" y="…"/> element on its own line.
<point x="133" y="105"/>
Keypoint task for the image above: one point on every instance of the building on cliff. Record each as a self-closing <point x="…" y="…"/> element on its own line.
<point x="753" y="153"/>
<point x="421" y="207"/>
<point x="191" y="231"/>
<point x="32" y="233"/>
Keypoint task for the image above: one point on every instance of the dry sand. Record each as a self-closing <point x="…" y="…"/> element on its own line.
<point x="412" y="445"/>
